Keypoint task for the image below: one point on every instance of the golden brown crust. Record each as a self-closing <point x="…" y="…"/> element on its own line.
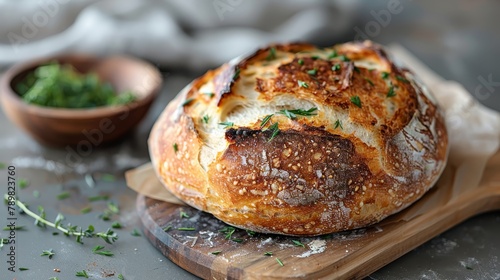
<point x="373" y="142"/>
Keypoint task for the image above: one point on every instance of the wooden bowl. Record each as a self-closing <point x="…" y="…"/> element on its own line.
<point x="83" y="128"/>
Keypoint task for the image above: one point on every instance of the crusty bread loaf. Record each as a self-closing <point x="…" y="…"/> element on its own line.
<point x="299" y="140"/>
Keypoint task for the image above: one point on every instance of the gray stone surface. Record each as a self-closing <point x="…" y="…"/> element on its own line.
<point x="458" y="39"/>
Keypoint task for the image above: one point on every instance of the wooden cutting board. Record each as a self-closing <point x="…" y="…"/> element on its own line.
<point x="206" y="252"/>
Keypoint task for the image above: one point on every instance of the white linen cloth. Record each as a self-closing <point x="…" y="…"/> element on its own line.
<point x="193" y="34"/>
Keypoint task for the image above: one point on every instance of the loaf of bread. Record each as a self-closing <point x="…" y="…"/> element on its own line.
<point x="299" y="140"/>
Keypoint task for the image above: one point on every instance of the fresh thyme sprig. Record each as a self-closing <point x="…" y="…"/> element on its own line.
<point x="292" y="114"/>
<point x="109" y="236"/>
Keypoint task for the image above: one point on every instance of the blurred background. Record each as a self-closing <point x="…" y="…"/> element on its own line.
<point x="458" y="39"/>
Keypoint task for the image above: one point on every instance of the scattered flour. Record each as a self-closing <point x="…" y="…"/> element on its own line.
<point x="315" y="247"/>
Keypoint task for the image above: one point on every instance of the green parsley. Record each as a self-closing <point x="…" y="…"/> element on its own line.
<point x="113" y="208"/>
<point x="356" y="101"/>
<point x="106" y="177"/>
<point x="82" y="273"/>
<point x="215" y="252"/>
<point x="228" y="231"/>
<point x="333" y="54"/>
<point x="272" y="54"/>
<point x="402" y="79"/>
<point x="338" y="123"/>
<point x="63" y="195"/>
<point x="250" y="232"/>
<point x="236" y="74"/>
<point x="344" y="58"/>
<point x="187" y="102"/>
<point x="176" y="147"/>
<point x="15" y="228"/>
<point x="49" y="253"/>
<point x="135" y="232"/>
<point x="23" y="183"/>
<point x="209" y="94"/>
<point x="312" y="72"/>
<point x="116" y="225"/>
<point x="268" y="253"/>
<point x="300" y="62"/>
<point x="314" y="57"/>
<point x="53" y="278"/>
<point x="369" y="81"/>
<point x="186" y="229"/>
<point x="391" y="92"/>
<point x="298" y="243"/>
<point x="275" y="131"/>
<point x="226" y="124"/>
<point x="292" y="114"/>
<point x="336" y="67"/>
<point x="23" y="269"/>
<point x="183" y="214"/>
<point x="279" y="262"/>
<point x="98" y="250"/>
<point x="167" y="228"/>
<point x="302" y="84"/>
<point x="357" y="69"/>
<point x="120" y="277"/>
<point x="266" y="120"/>
<point x="86" y="210"/>
<point x="237" y="240"/>
<point x="384" y="75"/>
<point x="205" y="118"/>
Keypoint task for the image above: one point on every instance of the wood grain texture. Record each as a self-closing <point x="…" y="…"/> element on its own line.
<point x="346" y="255"/>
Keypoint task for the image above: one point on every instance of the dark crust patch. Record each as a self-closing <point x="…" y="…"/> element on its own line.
<point x="255" y="165"/>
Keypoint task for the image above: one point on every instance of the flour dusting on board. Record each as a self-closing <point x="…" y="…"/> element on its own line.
<point x="315" y="247"/>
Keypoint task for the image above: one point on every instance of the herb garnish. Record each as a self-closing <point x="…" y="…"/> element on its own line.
<point x="312" y="72"/>
<point x="113" y="208"/>
<point x="98" y="250"/>
<point x="228" y="231"/>
<point x="135" y="232"/>
<point x="357" y="69"/>
<point x="176" y="147"/>
<point x="183" y="214"/>
<point x="82" y="273"/>
<point x="292" y="114"/>
<point x="15" y="228"/>
<point x="49" y="253"/>
<point x="391" y="92"/>
<point x="209" y="94"/>
<point x="23" y="269"/>
<point x="53" y="278"/>
<point x="300" y="62"/>
<point x="187" y="102"/>
<point x="250" y="232"/>
<point x="272" y="54"/>
<point x="63" y="195"/>
<point x="186" y="229"/>
<point x="369" y="81"/>
<point x="268" y="253"/>
<point x="298" y="243"/>
<point x="236" y="74"/>
<point x="402" y="79"/>
<point x="356" y="101"/>
<point x="167" y="228"/>
<point x="237" y="240"/>
<point x="336" y="67"/>
<point x="120" y="277"/>
<point x="266" y="120"/>
<point x="279" y="262"/>
<point x="215" y="252"/>
<point x="384" y="75"/>
<point x="86" y="210"/>
<point x="333" y="54"/>
<point x="275" y="131"/>
<point x="338" y="123"/>
<point x="23" y="183"/>
<point x="109" y="236"/>
<point x="344" y="58"/>
<point x="314" y="57"/>
<point x="116" y="225"/>
<point x="205" y="118"/>
<point x="226" y="124"/>
<point x="302" y="84"/>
